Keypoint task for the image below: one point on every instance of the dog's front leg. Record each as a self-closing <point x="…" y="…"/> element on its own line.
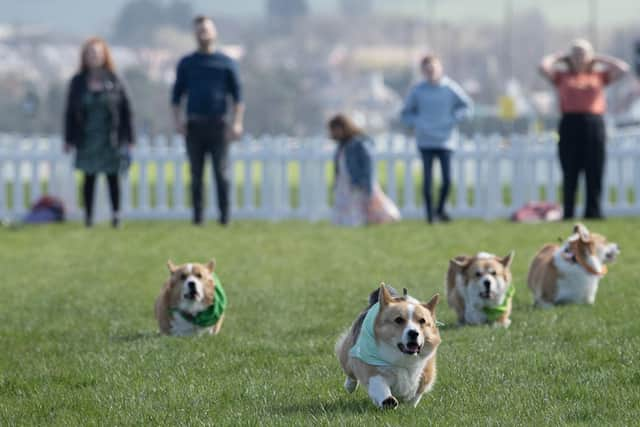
<point x="380" y="393"/>
<point x="416" y="399"/>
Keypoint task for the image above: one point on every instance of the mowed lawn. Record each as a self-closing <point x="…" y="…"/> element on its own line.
<point x="79" y="343"/>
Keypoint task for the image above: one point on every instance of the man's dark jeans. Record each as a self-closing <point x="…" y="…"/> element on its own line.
<point x="444" y="156"/>
<point x="207" y="135"/>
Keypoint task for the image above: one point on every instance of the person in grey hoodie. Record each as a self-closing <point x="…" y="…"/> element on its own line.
<point x="433" y="108"/>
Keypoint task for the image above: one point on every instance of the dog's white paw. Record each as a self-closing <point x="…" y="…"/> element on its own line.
<point x="504" y="324"/>
<point x="350" y="384"/>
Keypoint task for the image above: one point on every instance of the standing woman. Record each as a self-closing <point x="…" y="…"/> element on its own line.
<point x="98" y="124"/>
<point x="433" y="108"/>
<point x="359" y="199"/>
<point x="580" y="78"/>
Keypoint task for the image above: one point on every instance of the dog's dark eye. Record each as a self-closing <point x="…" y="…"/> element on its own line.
<point x="198" y="275"/>
<point x="493" y="273"/>
<point x="399" y="320"/>
<point x="422" y="321"/>
<point x="183" y="276"/>
<point x="478" y="273"/>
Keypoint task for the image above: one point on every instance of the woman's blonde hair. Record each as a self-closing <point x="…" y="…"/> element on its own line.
<point x="583" y="44"/>
<point x="108" y="59"/>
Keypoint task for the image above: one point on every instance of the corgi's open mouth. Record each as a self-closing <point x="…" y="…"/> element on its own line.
<point x="191" y="295"/>
<point x="411" y="348"/>
<point x="487" y="295"/>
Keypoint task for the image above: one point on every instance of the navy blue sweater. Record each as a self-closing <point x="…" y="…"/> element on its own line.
<point x="207" y="79"/>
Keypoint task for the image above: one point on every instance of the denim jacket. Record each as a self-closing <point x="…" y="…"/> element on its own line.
<point x="359" y="160"/>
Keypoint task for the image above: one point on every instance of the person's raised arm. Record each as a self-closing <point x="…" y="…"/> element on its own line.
<point x="548" y="63"/>
<point x="616" y="68"/>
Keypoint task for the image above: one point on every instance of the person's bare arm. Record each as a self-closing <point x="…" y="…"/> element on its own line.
<point x="616" y="68"/>
<point x="548" y="62"/>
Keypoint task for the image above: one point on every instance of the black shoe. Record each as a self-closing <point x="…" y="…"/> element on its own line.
<point x="444" y="217"/>
<point x="197" y="219"/>
<point x="88" y="222"/>
<point x="224" y="221"/>
<point x="115" y="222"/>
<point x="598" y="217"/>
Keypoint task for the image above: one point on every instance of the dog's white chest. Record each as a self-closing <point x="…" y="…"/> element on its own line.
<point x="405" y="381"/>
<point x="574" y="284"/>
<point x="577" y="287"/>
<point x="182" y="327"/>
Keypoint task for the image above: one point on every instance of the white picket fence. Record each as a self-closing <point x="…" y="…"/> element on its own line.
<point x="278" y="178"/>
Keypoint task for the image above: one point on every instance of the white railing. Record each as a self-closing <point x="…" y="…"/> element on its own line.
<point x="279" y="178"/>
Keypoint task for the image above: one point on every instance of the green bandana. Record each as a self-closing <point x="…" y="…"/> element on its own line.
<point x="494" y="313"/>
<point x="211" y="315"/>
<point x="366" y="348"/>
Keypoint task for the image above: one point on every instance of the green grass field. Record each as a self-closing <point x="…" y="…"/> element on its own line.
<point x="80" y="347"/>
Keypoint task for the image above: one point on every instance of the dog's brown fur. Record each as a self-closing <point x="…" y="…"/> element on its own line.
<point x="358" y="371"/>
<point x="464" y="266"/>
<point x="544" y="275"/>
<point x="170" y="294"/>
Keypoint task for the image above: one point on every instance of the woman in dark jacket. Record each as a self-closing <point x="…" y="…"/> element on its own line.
<point x="98" y="124"/>
<point x="358" y="198"/>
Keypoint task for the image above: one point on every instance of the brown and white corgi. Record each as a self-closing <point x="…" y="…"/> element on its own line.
<point x="571" y="272"/>
<point x="192" y="301"/>
<point x="391" y="348"/>
<point x="479" y="288"/>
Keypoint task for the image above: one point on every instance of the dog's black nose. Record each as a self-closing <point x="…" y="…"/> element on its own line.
<point x="413" y="334"/>
<point x="191" y="285"/>
<point x="487" y="284"/>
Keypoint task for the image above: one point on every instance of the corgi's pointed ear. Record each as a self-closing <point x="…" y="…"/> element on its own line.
<point x="506" y="261"/>
<point x="211" y="265"/>
<point x="431" y="305"/>
<point x="384" y="297"/>
<point x="582" y="232"/>
<point x="460" y="262"/>
<point x="172" y="268"/>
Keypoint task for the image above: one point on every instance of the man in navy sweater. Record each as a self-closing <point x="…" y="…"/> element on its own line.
<point x="208" y="79"/>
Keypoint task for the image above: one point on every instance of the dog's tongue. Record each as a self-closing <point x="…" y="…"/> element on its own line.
<point x="413" y="347"/>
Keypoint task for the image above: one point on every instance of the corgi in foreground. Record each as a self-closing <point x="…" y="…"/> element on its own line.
<point x="571" y="272"/>
<point x="479" y="289"/>
<point x="391" y="348"/>
<point x="192" y="301"/>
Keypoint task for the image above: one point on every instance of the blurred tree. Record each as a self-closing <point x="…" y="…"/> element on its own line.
<point x="180" y="14"/>
<point x="150" y="101"/>
<point x="139" y="20"/>
<point x="355" y="8"/>
<point x="287" y="8"/>
<point x="279" y="101"/>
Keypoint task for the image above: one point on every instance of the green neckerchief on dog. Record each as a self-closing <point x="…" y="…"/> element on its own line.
<point x="494" y="313"/>
<point x="366" y="348"/>
<point x="211" y="315"/>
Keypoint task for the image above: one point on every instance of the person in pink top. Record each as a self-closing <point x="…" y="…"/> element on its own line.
<point x="580" y="78"/>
